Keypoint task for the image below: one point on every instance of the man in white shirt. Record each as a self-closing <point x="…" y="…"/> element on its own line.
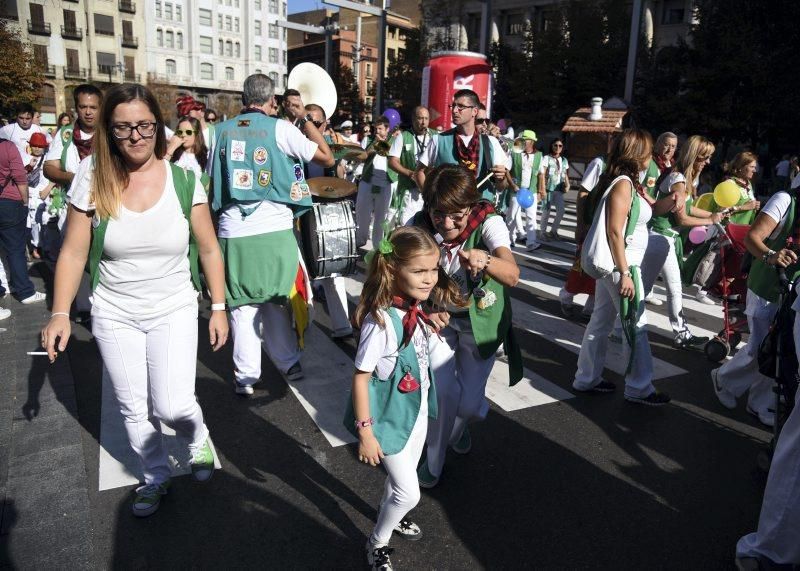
<point x="782" y="173"/>
<point x="407" y="148"/>
<point x="20" y="131"/>
<point x="525" y="174"/>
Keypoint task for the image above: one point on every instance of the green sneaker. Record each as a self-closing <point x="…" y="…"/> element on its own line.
<point x="426" y="479"/>
<point x="464" y="444"/>
<point x="148" y="498"/>
<point x="202" y="463"/>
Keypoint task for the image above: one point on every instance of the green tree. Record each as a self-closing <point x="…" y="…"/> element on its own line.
<point x="21" y="77"/>
<point x="350" y="104"/>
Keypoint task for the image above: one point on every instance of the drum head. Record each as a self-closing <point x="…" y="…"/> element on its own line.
<point x="328" y="233"/>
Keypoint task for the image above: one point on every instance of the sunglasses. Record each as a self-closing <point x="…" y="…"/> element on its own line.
<point x="187" y="132"/>
<point x="318" y="124"/>
<point x="212" y="119"/>
<point x="481" y="121"/>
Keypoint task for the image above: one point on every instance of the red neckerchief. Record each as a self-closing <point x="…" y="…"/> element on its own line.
<point x="477" y="215"/>
<point x="84" y="146"/>
<point x="662" y="163"/>
<point x="413" y="317"/>
<point x="741" y="184"/>
<point x="468" y="155"/>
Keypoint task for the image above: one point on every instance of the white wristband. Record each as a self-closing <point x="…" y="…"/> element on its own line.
<point x="59" y="313"/>
<point x="217" y="307"/>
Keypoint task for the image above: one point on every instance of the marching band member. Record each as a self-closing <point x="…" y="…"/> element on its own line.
<point x="555" y="184"/>
<point x="407" y="148"/>
<point x="375" y="189"/>
<point x="525" y="174"/>
<point x="258" y="188"/>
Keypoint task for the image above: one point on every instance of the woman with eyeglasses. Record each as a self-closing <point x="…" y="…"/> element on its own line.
<point x="141" y="222"/>
<point x="187" y="148"/>
<point x="476" y="254"/>
<point x="553" y="185"/>
<point x="665" y="249"/>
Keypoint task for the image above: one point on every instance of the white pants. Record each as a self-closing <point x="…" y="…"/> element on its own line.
<point x="401" y="491"/>
<point x="778" y="535"/>
<point x="741" y="374"/>
<point x="336" y="301"/>
<point x="461" y="375"/>
<point x="660" y="258"/>
<point x="568" y="298"/>
<point x="514" y="219"/>
<point x="152" y="364"/>
<point x="266" y="325"/>
<point x="412" y="203"/>
<point x="556" y="199"/>
<point x="639" y="382"/>
<point x="371" y="207"/>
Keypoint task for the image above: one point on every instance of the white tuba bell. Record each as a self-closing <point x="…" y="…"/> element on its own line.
<point x="314" y="85"/>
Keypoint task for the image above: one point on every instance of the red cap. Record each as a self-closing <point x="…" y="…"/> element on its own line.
<point x="38" y="140"/>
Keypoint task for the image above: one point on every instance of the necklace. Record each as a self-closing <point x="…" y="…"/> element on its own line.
<point x="421" y="145"/>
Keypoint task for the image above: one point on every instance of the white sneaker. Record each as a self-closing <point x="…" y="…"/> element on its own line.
<point x="4" y="313"/>
<point x="765" y="418"/>
<point x="35" y="298"/>
<point x="653" y="300"/>
<point x="725" y="397"/>
<point x="703" y="297"/>
<point x="244" y="390"/>
<point x="534" y="246"/>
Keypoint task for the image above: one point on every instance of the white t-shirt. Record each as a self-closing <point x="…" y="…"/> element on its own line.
<point x="187" y="161"/>
<point x="269" y="216"/>
<point x="428" y="158"/>
<point x="20" y="137"/>
<point x="420" y="144"/>
<point x="378" y="348"/>
<point x="777" y="208"/>
<point x="527" y="179"/>
<point x="591" y="176"/>
<point x="795" y="182"/>
<point x="494" y="234"/>
<point x="144" y="271"/>
<point x="73" y="158"/>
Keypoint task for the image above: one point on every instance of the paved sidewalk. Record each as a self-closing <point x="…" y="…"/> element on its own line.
<point x="45" y="519"/>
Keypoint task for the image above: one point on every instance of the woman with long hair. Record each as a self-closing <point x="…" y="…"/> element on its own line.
<point x="741" y="170"/>
<point x="628" y="210"/>
<point x="553" y="185"/>
<point x="187" y="148"/>
<point x="141" y="222"/>
<point x="665" y="251"/>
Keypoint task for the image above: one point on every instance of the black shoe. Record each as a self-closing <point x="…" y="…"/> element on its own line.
<point x="653" y="399"/>
<point x="521" y="241"/>
<point x="408" y="530"/>
<point x="601" y="387"/>
<point x="295" y="372"/>
<point x="378" y="557"/>
<point x="690" y="342"/>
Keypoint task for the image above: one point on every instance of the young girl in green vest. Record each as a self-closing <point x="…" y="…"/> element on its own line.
<point x="393" y="392"/>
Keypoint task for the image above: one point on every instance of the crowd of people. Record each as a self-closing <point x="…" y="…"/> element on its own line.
<point x="160" y="218"/>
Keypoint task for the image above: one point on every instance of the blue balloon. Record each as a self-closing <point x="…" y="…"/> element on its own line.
<point x="525" y="197"/>
<point x="393" y="116"/>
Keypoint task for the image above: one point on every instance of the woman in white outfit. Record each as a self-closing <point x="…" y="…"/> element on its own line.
<point x="629" y="154"/>
<point x="554" y="177"/>
<point x="135" y="218"/>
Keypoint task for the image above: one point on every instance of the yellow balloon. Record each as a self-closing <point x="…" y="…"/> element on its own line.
<point x="704" y="201"/>
<point x="727" y="194"/>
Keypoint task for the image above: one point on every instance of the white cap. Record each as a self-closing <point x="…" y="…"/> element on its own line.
<point x="347" y="125"/>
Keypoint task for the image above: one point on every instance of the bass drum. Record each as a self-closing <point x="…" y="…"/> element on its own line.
<point x="328" y="232"/>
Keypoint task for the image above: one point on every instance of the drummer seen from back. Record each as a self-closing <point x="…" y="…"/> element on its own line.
<point x="258" y="189"/>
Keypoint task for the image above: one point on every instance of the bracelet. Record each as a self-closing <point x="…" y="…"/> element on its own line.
<point x="765" y="258"/>
<point x="217" y="307"/>
<point x="364" y="423"/>
<point x="59" y="313"/>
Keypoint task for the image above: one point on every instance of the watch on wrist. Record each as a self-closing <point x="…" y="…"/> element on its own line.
<point x="303" y="120"/>
<point x="626" y="273"/>
<point x="769" y="253"/>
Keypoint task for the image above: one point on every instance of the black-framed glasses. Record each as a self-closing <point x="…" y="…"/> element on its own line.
<point x="460" y="107"/>
<point x="182" y="132"/>
<point x="438" y="216"/>
<point x="146" y="130"/>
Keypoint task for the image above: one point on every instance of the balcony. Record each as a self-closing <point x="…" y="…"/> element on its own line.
<point x="130" y="42"/>
<point x="127" y="6"/>
<point x="71" y="33"/>
<point x="133" y="77"/>
<point x="49" y="70"/>
<point x="75" y="73"/>
<point x="39" y="28"/>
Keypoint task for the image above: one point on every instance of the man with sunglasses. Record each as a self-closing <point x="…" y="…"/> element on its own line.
<point x="258" y="189"/>
<point x="464" y="145"/>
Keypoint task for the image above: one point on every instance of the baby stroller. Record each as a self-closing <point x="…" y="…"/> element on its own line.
<point x="722" y="270"/>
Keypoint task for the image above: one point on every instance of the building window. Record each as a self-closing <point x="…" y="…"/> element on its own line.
<point x="180" y="41"/>
<point x="236" y="24"/>
<point x="235" y="3"/>
<point x="273" y="55"/>
<point x="284" y="9"/>
<point x="206" y="71"/>
<point x="273" y="6"/>
<point x="205" y="45"/>
<point x="274" y="77"/>
<point x="172" y="67"/>
<point x="674" y="12"/>
<point x="219" y="21"/>
<point x="258" y="27"/>
<point x="170" y="39"/>
<point x="104" y="25"/>
<point x="168" y="11"/>
<point x="238" y="49"/>
<point x="228" y="23"/>
<point x="221" y="47"/>
<point x="369" y="70"/>
<point x="106" y="62"/>
<point x="273" y="31"/>
<point x="392" y="55"/>
<point x="229" y="73"/>
<point x="369" y="85"/>
<point x="229" y="48"/>
<point x="204" y="17"/>
<point x="258" y="53"/>
<point x="179" y="12"/>
<point x="285" y="57"/>
<point x="258" y="4"/>
<point x="158" y="8"/>
<point x="160" y="37"/>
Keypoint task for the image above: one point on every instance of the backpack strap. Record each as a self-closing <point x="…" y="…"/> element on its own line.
<point x="633" y="215"/>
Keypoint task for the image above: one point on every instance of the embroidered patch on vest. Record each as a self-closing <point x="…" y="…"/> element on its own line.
<point x="243" y="123"/>
<point x="242" y="179"/>
<point x="306" y="189"/>
<point x="298" y="172"/>
<point x="260" y="155"/>
<point x="264" y="176"/>
<point x="488" y="300"/>
<point x="65" y="135"/>
<point x="238" y="150"/>
<point x="296" y="193"/>
<point x="651" y="182"/>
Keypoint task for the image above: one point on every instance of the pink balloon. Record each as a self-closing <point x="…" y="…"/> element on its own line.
<point x="501" y="124"/>
<point x="697" y="235"/>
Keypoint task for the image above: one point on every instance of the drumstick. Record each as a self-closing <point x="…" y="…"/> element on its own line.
<point x="487" y="177"/>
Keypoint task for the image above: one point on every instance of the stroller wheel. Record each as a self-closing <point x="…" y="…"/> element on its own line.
<point x="716" y="350"/>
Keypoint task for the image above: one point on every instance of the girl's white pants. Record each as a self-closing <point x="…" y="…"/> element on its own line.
<point x="152" y="364"/>
<point x="460" y="374"/>
<point x="555" y="199"/>
<point x="371" y="207"/>
<point x="336" y="301"/>
<point x="401" y="491"/>
<point x="514" y="220"/>
<point x="266" y="325"/>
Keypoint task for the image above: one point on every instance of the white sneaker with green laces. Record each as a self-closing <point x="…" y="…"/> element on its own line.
<point x="202" y="463"/>
<point x="148" y="498"/>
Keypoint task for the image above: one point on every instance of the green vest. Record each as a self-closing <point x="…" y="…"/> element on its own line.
<point x="744" y="217"/>
<point x="369" y="167"/>
<point x="651" y="178"/>
<point x="184" y="182"/>
<point x="763" y="278"/>
<point x="446" y="155"/>
<point x="516" y="170"/>
<point x="249" y="168"/>
<point x="408" y="158"/>
<point x="394" y="412"/>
